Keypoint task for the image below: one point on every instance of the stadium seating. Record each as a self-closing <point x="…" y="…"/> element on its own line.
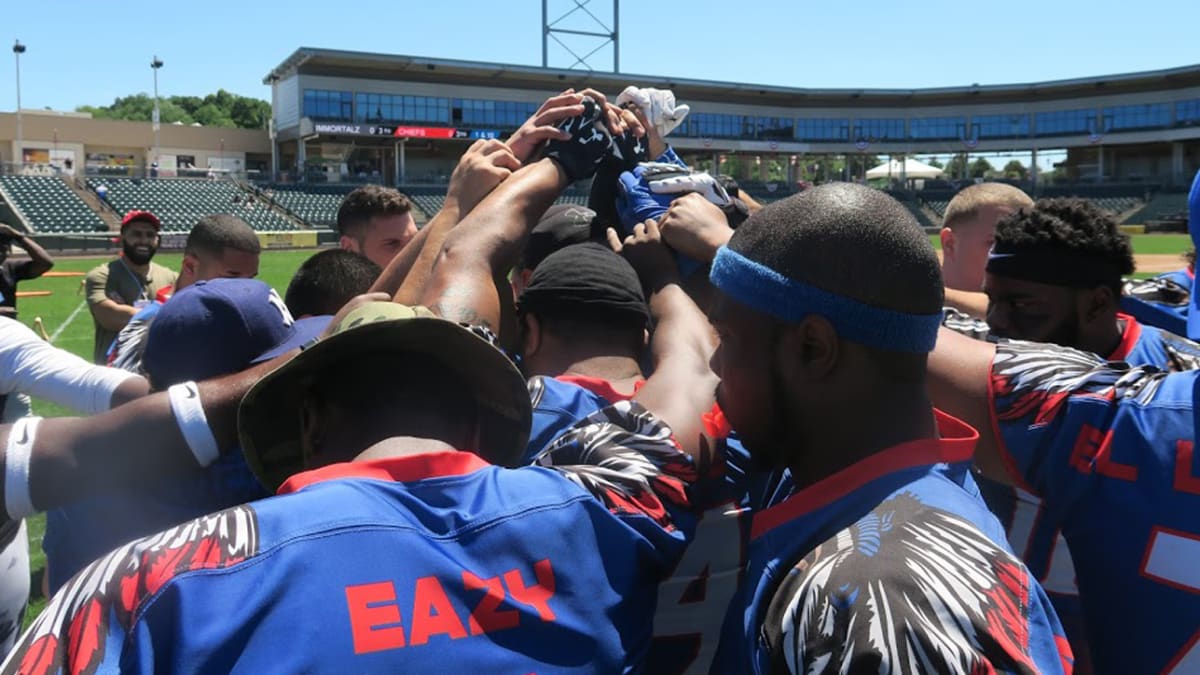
<point x="180" y="202"/>
<point x="1163" y="206"/>
<point x="938" y="206"/>
<point x="315" y="205"/>
<point x="429" y="199"/>
<point x="915" y="209"/>
<point x="1117" y="205"/>
<point x="49" y="205"/>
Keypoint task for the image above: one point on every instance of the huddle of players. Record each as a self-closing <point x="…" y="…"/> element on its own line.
<point x="655" y="524"/>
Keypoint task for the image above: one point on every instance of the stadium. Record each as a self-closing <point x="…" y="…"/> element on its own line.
<point x="1128" y="143"/>
<point x="340" y="118"/>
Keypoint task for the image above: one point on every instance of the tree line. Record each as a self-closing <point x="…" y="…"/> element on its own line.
<point x="222" y="109"/>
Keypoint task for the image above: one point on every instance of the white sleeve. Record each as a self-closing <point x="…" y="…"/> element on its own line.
<point x="30" y="365"/>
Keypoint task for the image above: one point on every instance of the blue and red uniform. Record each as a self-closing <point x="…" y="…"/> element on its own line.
<point x="436" y="562"/>
<point x="890" y="565"/>
<point x="1031" y="534"/>
<point x="692" y="602"/>
<point x="1143" y="345"/>
<point x="561" y="402"/>
<point x="1108" y="448"/>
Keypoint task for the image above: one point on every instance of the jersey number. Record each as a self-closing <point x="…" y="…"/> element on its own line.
<point x="1171" y="559"/>
<point x="692" y="602"/>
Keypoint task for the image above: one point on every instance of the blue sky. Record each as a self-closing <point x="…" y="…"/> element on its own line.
<point x="103" y="51"/>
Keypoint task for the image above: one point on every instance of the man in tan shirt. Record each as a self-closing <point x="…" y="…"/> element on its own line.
<point x="118" y="289"/>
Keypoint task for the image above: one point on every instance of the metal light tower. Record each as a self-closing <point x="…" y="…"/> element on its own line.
<point x="18" y="50"/>
<point x="155" y="65"/>
<point x="580" y="27"/>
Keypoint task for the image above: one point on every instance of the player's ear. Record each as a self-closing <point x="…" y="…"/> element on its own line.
<point x="808" y="351"/>
<point x="347" y="243"/>
<point x="531" y="334"/>
<point x="312" y="430"/>
<point x="948" y="242"/>
<point x="1098" y="304"/>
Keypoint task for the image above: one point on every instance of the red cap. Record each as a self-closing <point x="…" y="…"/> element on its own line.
<point x="141" y="215"/>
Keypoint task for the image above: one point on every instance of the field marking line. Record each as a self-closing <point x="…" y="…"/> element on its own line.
<point x="63" y="326"/>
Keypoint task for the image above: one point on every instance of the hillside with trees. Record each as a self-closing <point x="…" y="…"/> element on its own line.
<point x="221" y="109"/>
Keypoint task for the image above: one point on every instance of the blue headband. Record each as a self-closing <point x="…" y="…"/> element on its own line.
<point x="765" y="290"/>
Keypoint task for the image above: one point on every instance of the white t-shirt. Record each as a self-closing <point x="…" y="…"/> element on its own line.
<point x="30" y="365"/>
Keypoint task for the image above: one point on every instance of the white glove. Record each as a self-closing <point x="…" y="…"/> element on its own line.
<point x="656" y="171"/>
<point x="700" y="182"/>
<point x="658" y="105"/>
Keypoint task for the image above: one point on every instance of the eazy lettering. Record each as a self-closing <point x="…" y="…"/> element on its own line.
<point x="378" y="623"/>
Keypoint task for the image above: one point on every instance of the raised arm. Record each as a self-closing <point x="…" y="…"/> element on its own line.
<point x="487" y="243"/>
<point x="484" y="166"/>
<point x="681" y="388"/>
<point x="40" y="261"/>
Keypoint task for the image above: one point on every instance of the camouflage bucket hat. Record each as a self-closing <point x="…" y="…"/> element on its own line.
<point x="269" y="415"/>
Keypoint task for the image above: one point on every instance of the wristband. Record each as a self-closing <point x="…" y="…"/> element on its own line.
<point x="189" y="415"/>
<point x="17" y="501"/>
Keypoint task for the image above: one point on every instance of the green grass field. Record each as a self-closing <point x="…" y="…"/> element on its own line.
<point x="67" y="320"/>
<point x="1143" y="244"/>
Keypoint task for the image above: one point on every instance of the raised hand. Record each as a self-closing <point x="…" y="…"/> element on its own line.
<point x="483" y="166"/>
<point x="658" y="106"/>
<point x="695" y="227"/>
<point x="543" y="125"/>
<point x="647" y="253"/>
<point x="586" y="142"/>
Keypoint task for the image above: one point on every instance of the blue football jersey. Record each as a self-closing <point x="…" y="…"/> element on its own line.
<point x="1143" y="345"/>
<point x="1108" y="447"/>
<point x="1040" y="542"/>
<point x="891" y="565"/>
<point x="692" y="602"/>
<point x="561" y="402"/>
<point x="435" y="562"/>
<point x="79" y="533"/>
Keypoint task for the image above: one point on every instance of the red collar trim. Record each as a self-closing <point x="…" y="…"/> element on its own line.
<point x="956" y="443"/>
<point x="601" y="387"/>
<point x="1129" y="337"/>
<point x="398" y="469"/>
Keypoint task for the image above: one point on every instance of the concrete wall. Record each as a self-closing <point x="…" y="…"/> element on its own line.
<point x="120" y="137"/>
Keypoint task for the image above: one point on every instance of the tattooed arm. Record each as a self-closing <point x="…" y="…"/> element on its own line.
<point x="478" y="254"/>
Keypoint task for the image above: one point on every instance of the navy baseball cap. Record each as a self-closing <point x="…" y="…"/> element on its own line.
<point x="218" y="327"/>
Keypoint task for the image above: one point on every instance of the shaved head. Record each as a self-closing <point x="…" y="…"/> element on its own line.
<point x="851" y="240"/>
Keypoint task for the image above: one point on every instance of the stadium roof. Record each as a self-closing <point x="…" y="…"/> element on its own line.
<point x="339" y="63"/>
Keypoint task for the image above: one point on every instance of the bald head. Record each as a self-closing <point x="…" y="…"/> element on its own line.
<point x="851" y="240"/>
<point x="829" y="302"/>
